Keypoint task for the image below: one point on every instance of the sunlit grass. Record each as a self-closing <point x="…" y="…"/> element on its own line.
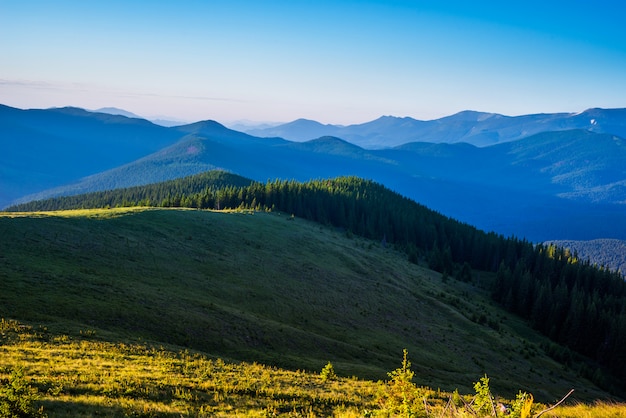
<point x="89" y="213"/>
<point x="595" y="410"/>
<point x="105" y="213"/>
<point x="78" y="377"/>
<point x="81" y="376"/>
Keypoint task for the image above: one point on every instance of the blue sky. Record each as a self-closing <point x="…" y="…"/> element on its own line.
<point x="333" y="61"/>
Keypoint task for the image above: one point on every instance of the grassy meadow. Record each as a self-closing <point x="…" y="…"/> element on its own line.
<point x="156" y="312"/>
<point x="81" y="376"/>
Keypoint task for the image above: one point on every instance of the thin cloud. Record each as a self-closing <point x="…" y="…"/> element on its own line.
<point x="171" y="96"/>
<point x="42" y="85"/>
<point x="81" y="87"/>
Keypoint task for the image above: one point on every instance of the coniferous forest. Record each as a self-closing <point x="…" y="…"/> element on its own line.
<point x="579" y="306"/>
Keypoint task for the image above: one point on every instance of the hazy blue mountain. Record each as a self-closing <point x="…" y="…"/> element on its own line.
<point x="117" y="111"/>
<point x="575" y="164"/>
<point x="477" y="128"/>
<point x="581" y="164"/>
<point x="245" y="125"/>
<point x="168" y="123"/>
<point x="298" y="130"/>
<point x="161" y="121"/>
<point x="568" y="184"/>
<point x="219" y="132"/>
<point x="528" y="188"/>
<point x="41" y="149"/>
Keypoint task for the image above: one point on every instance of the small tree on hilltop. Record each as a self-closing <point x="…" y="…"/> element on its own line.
<point x="402" y="396"/>
<point x="483" y="401"/>
<point x="328" y="373"/>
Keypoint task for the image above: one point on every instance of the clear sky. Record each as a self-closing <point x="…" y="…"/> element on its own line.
<point x="333" y="61"/>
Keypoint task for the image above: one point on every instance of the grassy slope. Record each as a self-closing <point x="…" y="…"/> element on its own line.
<point x="261" y="287"/>
<point x="81" y="377"/>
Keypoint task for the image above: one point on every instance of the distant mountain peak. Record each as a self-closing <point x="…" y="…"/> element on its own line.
<point x="391" y="118"/>
<point x="209" y="122"/>
<point x="471" y="115"/>
<point x="332" y="145"/>
<point x="68" y="109"/>
<point x="306" y="123"/>
<point x="203" y="126"/>
<point x="118" y="111"/>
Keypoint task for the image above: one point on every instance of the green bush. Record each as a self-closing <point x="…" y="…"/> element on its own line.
<point x="17" y="397"/>
<point x="483" y="401"/>
<point x="402" y="397"/>
<point x="328" y="372"/>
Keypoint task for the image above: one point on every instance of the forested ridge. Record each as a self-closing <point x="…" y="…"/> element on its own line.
<point x="156" y="194"/>
<point x="576" y="304"/>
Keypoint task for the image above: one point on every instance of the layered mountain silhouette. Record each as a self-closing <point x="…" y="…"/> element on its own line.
<point x="162" y="121"/>
<point x="42" y="149"/>
<point x="560" y="184"/>
<point x="476" y="128"/>
<point x="117" y="111"/>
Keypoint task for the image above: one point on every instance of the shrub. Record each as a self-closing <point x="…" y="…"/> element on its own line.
<point x="402" y="397"/>
<point x="522" y="405"/>
<point x="328" y="372"/>
<point x="483" y="401"/>
<point x="17" y="397"/>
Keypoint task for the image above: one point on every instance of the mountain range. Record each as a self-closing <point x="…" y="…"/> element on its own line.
<point x="157" y="120"/>
<point x="476" y="128"/>
<point x="559" y="184"/>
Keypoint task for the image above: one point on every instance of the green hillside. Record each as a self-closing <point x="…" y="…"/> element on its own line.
<point x="270" y="288"/>
<point x="577" y="305"/>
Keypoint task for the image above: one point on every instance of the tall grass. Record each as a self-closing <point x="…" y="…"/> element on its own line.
<point x="600" y="409"/>
<point x="83" y="377"/>
<point x="80" y="376"/>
